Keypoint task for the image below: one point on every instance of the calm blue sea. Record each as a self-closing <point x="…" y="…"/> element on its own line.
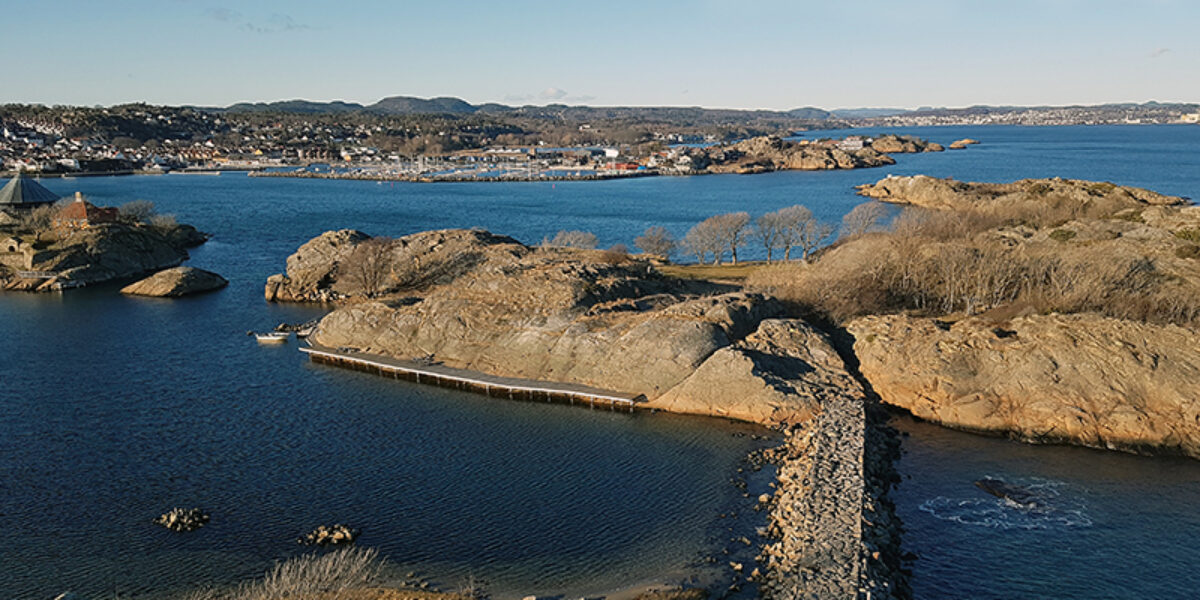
<point x="116" y="409"/>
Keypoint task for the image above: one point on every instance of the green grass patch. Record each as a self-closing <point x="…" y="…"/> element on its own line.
<point x="726" y="272"/>
<point x="1062" y="235"/>
<point x="1101" y="188"/>
<point x="1133" y="215"/>
<point x="1191" y="235"/>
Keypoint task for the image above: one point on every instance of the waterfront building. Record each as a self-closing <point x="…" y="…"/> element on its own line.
<point x="24" y="194"/>
<point x="82" y="214"/>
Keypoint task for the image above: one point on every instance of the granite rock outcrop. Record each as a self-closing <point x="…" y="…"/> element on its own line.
<point x="577" y="316"/>
<point x="1081" y="379"/>
<point x="104" y="252"/>
<point x="179" y="281"/>
<point x="477" y="301"/>
<point x="948" y="194"/>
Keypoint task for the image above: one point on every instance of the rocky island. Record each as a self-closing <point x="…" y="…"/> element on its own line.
<point x="179" y="281"/>
<point x="764" y="154"/>
<point x="68" y="244"/>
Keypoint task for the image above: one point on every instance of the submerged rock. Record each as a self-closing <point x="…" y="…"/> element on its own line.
<point x="327" y="535"/>
<point x="183" y="519"/>
<point x="179" y="281"/>
<point x="1008" y="491"/>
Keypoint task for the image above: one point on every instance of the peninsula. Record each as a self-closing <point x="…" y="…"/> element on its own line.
<point x="1051" y="311"/>
<point x="475" y="301"/>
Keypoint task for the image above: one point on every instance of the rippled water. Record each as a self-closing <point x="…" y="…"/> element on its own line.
<point x="1105" y="525"/>
<point x="120" y="408"/>
<point x="117" y="408"/>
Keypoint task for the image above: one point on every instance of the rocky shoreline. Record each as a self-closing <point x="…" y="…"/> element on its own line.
<point x="1047" y="311"/>
<point x="55" y="261"/>
<point x="473" y="300"/>
<point x="762" y="154"/>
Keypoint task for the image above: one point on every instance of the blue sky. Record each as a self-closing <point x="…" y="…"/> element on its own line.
<point x="748" y="54"/>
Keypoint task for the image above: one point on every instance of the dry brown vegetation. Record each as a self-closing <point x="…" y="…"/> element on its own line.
<point x="674" y="594"/>
<point x="947" y="263"/>
<point x="306" y="577"/>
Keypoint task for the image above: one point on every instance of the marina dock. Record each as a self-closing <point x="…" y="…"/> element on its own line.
<point x="492" y="386"/>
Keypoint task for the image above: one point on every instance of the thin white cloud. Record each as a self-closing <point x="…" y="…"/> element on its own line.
<point x="222" y="14"/>
<point x="550" y="95"/>
<point x="1159" y="52"/>
<point x="273" y="23"/>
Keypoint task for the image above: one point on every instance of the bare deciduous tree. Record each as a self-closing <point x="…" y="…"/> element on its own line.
<point x="811" y="235"/>
<point x="800" y="229"/>
<point x="656" y="240"/>
<point x="704" y="239"/>
<point x="39" y="218"/>
<point x="163" y="221"/>
<point x="791" y="221"/>
<point x="768" y="229"/>
<point x="863" y="218"/>
<point x="572" y="239"/>
<point x="369" y="265"/>
<point x="136" y="211"/>
<point x="731" y="228"/>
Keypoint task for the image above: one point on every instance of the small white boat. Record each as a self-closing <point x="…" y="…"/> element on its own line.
<point x="272" y="337"/>
<point x="304" y="332"/>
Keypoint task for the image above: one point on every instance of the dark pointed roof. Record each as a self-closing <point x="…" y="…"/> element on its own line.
<point x="24" y="193"/>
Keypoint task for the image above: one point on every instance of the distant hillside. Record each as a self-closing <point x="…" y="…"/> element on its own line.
<point x="764" y="120"/>
<point x="408" y="105"/>
<point x="300" y="107"/>
<point x="867" y="113"/>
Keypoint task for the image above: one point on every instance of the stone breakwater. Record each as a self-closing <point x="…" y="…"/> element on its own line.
<point x="835" y="534"/>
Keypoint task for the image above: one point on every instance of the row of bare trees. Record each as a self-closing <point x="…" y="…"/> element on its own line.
<point x="716" y="235"/>
<point x="787" y="229"/>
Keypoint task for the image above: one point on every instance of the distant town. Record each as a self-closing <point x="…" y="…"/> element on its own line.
<point x="416" y="138"/>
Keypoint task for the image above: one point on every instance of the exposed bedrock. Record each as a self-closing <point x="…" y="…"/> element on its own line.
<point x="1082" y="379"/>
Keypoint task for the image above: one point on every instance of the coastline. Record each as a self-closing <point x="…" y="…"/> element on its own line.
<point x="831" y="530"/>
<point x="381" y="177"/>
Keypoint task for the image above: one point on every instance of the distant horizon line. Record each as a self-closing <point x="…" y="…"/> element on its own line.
<point x="585" y="105"/>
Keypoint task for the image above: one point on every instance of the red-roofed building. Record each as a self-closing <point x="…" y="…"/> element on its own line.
<point x="82" y="214"/>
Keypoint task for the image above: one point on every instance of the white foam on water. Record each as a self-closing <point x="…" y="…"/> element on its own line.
<point x="1053" y="508"/>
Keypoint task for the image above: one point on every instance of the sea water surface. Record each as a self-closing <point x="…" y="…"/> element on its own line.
<point x="116" y="409"/>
